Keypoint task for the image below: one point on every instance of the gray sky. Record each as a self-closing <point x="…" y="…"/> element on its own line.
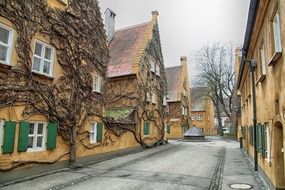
<point x="185" y="25"/>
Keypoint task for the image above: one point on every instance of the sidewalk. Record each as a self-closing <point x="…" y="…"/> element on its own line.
<point x="239" y="170"/>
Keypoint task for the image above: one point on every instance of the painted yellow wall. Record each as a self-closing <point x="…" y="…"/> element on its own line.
<point x="270" y="89"/>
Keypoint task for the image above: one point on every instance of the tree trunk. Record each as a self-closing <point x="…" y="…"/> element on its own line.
<point x="73" y="148"/>
<point x="220" y="124"/>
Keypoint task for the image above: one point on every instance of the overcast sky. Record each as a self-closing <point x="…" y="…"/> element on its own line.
<point x="185" y="25"/>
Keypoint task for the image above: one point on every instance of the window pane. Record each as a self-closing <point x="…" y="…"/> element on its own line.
<point x="3" y="53"/>
<point x="91" y="136"/>
<point x="32" y="125"/>
<point x="40" y="142"/>
<point x="48" y="53"/>
<point x="46" y="68"/>
<point x="4" y="35"/>
<point x="40" y="128"/>
<point x="38" y="49"/>
<point x="31" y="139"/>
<point x="36" y="64"/>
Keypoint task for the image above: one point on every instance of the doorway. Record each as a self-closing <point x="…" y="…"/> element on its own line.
<point x="279" y="155"/>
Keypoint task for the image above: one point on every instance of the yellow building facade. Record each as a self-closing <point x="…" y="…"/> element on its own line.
<point x="179" y="101"/>
<point x="264" y="44"/>
<point x="53" y="85"/>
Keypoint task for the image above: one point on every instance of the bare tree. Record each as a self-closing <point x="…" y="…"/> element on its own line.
<point x="215" y="70"/>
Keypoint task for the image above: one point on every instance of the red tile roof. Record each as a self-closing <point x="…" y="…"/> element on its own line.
<point x="124" y="48"/>
<point x="173" y="77"/>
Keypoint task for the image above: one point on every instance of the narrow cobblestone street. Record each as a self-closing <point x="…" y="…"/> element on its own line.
<point x="178" y="165"/>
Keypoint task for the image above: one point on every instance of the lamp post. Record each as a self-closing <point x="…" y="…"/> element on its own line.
<point x="252" y="65"/>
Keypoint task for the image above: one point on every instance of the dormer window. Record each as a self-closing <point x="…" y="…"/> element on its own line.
<point x="43" y="58"/>
<point x="6" y="39"/>
<point x="157" y="70"/>
<point x="152" y="66"/>
<point x="97" y="84"/>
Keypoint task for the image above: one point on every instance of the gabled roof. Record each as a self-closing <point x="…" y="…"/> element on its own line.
<point x="174" y="79"/>
<point x="124" y="48"/>
<point x="198" y="98"/>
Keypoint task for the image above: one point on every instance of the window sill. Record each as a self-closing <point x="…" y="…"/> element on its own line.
<point x="5" y="66"/>
<point x="94" y="91"/>
<point x="42" y="76"/>
<point x="260" y="79"/>
<point x="36" y="149"/>
<point x="275" y="58"/>
<point x="64" y="2"/>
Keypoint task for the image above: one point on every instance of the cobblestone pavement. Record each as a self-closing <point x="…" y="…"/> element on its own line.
<point x="179" y="165"/>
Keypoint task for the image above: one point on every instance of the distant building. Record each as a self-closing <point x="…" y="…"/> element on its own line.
<point x="202" y="112"/>
<point x="179" y="101"/>
<point x="136" y="88"/>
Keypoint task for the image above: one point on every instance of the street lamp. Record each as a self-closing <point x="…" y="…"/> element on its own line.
<point x="252" y="66"/>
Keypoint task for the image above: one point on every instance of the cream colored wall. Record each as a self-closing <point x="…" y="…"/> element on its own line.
<point x="176" y="131"/>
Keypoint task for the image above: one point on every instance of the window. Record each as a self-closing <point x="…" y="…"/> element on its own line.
<point x="148" y="97"/>
<point x="157" y="70"/>
<point x="1" y="135"/>
<point x="93" y="133"/>
<point x="6" y="39"/>
<point x="152" y="66"/>
<point x="37" y="136"/>
<point x="277" y="33"/>
<point x="185" y="111"/>
<point x="165" y="100"/>
<point x="184" y="92"/>
<point x="96" y="133"/>
<point x="263" y="59"/>
<point x="97" y="84"/>
<point x="43" y="58"/>
<point x="154" y="98"/>
<point x="182" y="110"/>
<point x="199" y="117"/>
<point x="146" y="128"/>
<point x="267" y="141"/>
<point x="192" y="117"/>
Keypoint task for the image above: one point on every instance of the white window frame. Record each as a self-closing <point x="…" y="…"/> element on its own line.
<point x="157" y="70"/>
<point x="193" y="117"/>
<point x="185" y="111"/>
<point x="36" y="135"/>
<point x="9" y="45"/>
<point x="164" y="100"/>
<point x="263" y="59"/>
<point x="42" y="58"/>
<point x="199" y="117"/>
<point x="267" y="131"/>
<point x="97" y="84"/>
<point x="184" y="92"/>
<point x="2" y="122"/>
<point x="152" y="66"/>
<point x="182" y="110"/>
<point x="93" y="130"/>
<point x="147" y="97"/>
<point x="154" y="98"/>
<point x="277" y="32"/>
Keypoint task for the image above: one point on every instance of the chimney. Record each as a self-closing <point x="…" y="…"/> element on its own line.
<point x="154" y="14"/>
<point x="183" y="60"/>
<point x="110" y="24"/>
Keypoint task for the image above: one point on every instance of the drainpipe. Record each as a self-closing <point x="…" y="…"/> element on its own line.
<point x="252" y="66"/>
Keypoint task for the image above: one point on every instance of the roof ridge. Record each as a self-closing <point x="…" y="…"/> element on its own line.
<point x="131" y="27"/>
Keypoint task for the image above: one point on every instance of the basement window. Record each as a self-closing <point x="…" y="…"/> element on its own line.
<point x="37" y="136"/>
<point x="6" y="39"/>
<point x="43" y="58"/>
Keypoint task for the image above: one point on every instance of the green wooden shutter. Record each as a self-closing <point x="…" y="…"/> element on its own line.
<point x="262" y="141"/>
<point x="51" y="135"/>
<point x="168" y="129"/>
<point x="257" y="137"/>
<point x="146" y="128"/>
<point x="9" y="137"/>
<point x="99" y="132"/>
<point x="23" y="139"/>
